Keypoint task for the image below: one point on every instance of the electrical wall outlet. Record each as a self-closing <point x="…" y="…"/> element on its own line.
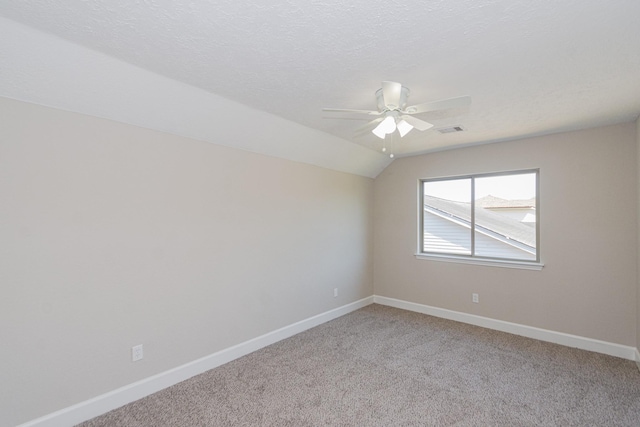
<point x="475" y="298"/>
<point x="137" y="353"/>
<point x="335" y="292"/>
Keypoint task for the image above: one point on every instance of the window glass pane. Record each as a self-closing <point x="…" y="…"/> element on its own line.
<point x="505" y="216"/>
<point x="447" y="216"/>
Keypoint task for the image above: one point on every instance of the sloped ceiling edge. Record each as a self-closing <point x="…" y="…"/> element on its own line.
<point x="46" y="70"/>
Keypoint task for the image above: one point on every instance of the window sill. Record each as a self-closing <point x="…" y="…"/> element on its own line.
<point x="523" y="265"/>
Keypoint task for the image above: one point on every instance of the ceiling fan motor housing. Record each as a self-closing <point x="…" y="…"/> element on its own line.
<point x="404" y="95"/>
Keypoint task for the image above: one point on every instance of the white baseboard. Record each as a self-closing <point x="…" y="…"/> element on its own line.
<point x="618" y="350"/>
<point x="114" y="399"/>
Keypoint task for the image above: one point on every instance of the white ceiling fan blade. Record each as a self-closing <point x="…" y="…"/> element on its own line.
<point x="417" y="123"/>
<point x="445" y="104"/>
<point x="366" y="129"/>
<point x="391" y="92"/>
<point x="346" y="110"/>
<point x="369" y="125"/>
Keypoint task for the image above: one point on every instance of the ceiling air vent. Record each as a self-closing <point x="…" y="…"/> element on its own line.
<point x="451" y="129"/>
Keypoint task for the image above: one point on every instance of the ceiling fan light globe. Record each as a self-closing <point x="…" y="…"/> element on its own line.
<point x="404" y="128"/>
<point x="388" y="125"/>
<point x="380" y="133"/>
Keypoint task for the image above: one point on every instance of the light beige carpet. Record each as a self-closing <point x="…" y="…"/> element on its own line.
<point x="381" y="366"/>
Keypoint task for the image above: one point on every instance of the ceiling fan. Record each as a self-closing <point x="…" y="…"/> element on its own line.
<point x="394" y="114"/>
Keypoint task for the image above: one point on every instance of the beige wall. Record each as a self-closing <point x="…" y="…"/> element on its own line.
<point x="588" y="236"/>
<point x="113" y="236"/>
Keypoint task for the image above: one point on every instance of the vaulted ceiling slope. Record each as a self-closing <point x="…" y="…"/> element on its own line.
<point x="255" y="75"/>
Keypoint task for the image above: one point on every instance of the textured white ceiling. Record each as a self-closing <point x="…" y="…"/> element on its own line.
<point x="530" y="66"/>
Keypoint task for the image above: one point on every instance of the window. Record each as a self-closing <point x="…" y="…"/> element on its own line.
<point x="490" y="217"/>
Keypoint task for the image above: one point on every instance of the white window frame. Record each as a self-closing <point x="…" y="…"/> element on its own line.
<point x="472" y="258"/>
